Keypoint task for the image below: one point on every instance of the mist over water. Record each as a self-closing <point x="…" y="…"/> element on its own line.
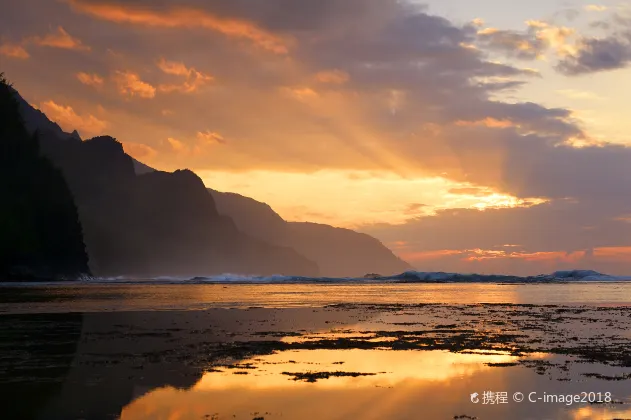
<point x="406" y="277"/>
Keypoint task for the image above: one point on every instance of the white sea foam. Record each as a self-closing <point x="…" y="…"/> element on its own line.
<point x="407" y="277"/>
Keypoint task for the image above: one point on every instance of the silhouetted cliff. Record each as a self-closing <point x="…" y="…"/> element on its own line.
<point x="338" y="252"/>
<point x="149" y="223"/>
<point x="40" y="233"/>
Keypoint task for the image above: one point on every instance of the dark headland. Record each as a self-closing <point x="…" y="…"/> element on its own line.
<point x="68" y="197"/>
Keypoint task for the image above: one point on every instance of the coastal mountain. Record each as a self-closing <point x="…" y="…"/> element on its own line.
<point x="338" y="252"/>
<point x="141" y="222"/>
<point x="40" y="233"/>
<point x="152" y="223"/>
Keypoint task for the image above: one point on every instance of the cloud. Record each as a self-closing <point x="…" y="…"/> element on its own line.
<point x="194" y="79"/>
<point x="487" y="122"/>
<point x="579" y="94"/>
<point x="475" y="191"/>
<point x="182" y="17"/>
<point x="593" y="54"/>
<point x="390" y="88"/>
<point x="477" y="22"/>
<point x="90" y="79"/>
<point x="140" y="151"/>
<point x="130" y="84"/>
<point x="595" y="8"/>
<point x="69" y="120"/>
<point x="195" y="147"/>
<point x="335" y="77"/>
<point x="208" y="137"/>
<point x="14" y="51"/>
<point x="520" y="45"/>
<point x="176" y="145"/>
<point x="598" y="54"/>
<point x="531" y="44"/>
<point x="174" y="67"/>
<point x="301" y="93"/>
<point x="415" y="209"/>
<point x="60" y="39"/>
<point x="556" y="235"/>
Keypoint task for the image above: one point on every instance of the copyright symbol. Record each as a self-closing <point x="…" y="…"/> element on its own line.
<point x="518" y="397"/>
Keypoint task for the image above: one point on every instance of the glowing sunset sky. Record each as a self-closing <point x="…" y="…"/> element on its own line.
<point x="468" y="135"/>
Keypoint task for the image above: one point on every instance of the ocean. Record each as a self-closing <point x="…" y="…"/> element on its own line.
<point x="235" y="347"/>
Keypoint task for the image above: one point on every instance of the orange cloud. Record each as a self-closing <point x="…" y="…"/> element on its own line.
<point x="554" y="256"/>
<point x="398" y="245"/>
<point x="196" y="147"/>
<point x="335" y="77"/>
<point x="140" y="151"/>
<point x="90" y="79"/>
<point x="194" y="78"/>
<point x="620" y="253"/>
<point x="595" y="8"/>
<point x="189" y="86"/>
<point x="475" y="191"/>
<point x="69" y="120"/>
<point x="176" y="145"/>
<point x="487" y="122"/>
<point x="430" y="255"/>
<point x="210" y="138"/>
<point x="174" y="67"/>
<point x="130" y="84"/>
<point x="557" y="37"/>
<point x="302" y="93"/>
<point x="14" y="51"/>
<point x="488" y="31"/>
<point x="471" y="255"/>
<point x="61" y="39"/>
<point x="183" y="17"/>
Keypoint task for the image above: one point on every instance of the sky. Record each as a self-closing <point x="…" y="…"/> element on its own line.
<point x="467" y="135"/>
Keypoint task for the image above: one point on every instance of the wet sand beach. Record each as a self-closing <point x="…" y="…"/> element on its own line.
<point x="103" y="352"/>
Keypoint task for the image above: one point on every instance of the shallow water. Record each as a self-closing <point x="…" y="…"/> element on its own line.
<point x="86" y="297"/>
<point x="381" y="384"/>
<point x="393" y="351"/>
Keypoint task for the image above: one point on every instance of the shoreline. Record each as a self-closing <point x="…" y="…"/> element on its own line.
<point x="135" y="363"/>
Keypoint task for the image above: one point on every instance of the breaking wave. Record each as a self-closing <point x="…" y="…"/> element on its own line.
<point x="406" y="277"/>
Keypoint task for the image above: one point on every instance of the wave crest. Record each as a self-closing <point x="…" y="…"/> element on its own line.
<point x="406" y="277"/>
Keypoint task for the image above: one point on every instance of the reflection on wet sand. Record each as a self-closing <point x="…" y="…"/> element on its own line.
<point x="591" y="413"/>
<point x="361" y="384"/>
<point x="400" y="385"/>
<point x="376" y="368"/>
<point x="339" y="362"/>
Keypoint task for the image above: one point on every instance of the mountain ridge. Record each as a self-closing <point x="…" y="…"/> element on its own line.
<point x="339" y="252"/>
<point x="100" y="173"/>
<point x="154" y="223"/>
